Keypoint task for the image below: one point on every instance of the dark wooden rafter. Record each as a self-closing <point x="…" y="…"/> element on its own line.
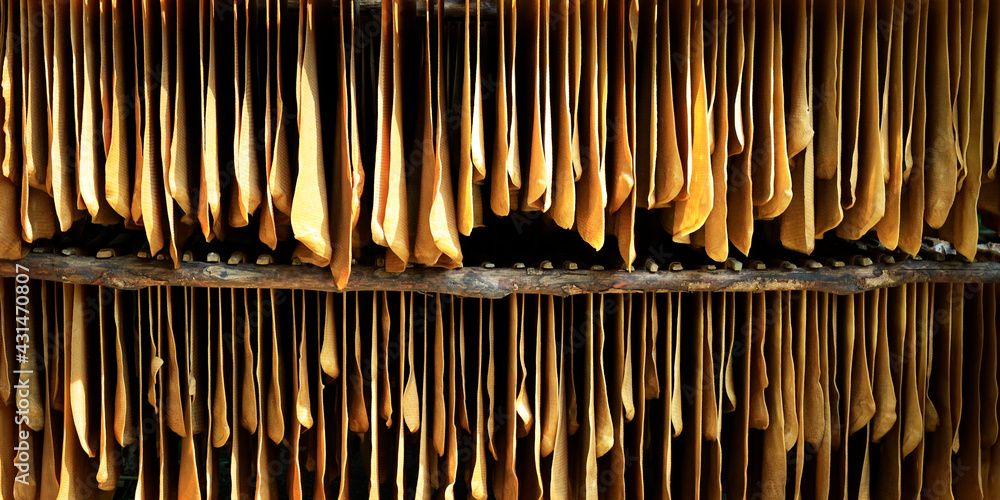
<point x="133" y="273"/>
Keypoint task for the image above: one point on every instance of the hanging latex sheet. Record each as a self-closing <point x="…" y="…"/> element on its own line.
<point x="472" y="147"/>
<point x="390" y="226"/>
<point x="388" y="391"/>
<point x="505" y="174"/>
<point x="593" y="118"/>
<point x="436" y="240"/>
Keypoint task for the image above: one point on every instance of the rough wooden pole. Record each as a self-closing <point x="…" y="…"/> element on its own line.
<point x="133" y="273"/>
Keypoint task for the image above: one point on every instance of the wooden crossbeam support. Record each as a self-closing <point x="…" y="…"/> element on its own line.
<point x="130" y="272"/>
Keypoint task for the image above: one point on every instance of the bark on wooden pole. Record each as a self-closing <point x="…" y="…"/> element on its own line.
<point x="130" y="272"/>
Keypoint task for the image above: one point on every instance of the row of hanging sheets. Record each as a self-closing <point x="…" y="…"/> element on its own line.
<point x="206" y="392"/>
<point x="193" y="119"/>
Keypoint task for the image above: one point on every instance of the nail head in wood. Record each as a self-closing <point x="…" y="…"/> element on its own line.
<point x="652" y="266"/>
<point x="236" y="258"/>
<point x="861" y="260"/>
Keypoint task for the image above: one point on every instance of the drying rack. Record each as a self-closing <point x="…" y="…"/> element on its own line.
<point x="858" y="273"/>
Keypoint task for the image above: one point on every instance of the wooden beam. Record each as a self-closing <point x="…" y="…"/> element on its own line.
<point x="130" y="272"/>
